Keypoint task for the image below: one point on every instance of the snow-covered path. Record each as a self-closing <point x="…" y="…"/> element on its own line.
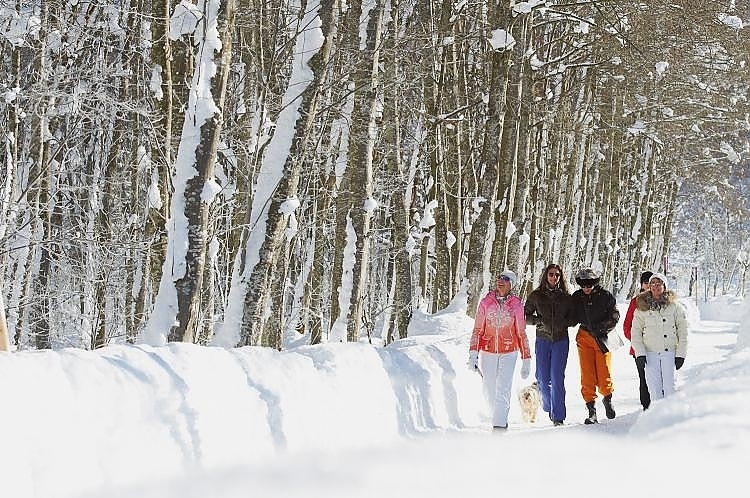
<point x="670" y="450"/>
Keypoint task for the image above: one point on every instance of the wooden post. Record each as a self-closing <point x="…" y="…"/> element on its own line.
<point x="4" y="342"/>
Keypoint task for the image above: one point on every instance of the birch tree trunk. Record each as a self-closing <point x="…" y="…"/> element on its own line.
<point x="178" y="302"/>
<point x="402" y="274"/>
<point x="284" y="198"/>
<point x="512" y="186"/>
<point x="614" y="188"/>
<point x="169" y="64"/>
<point x="7" y="190"/>
<point x="438" y="98"/>
<point x="476" y="264"/>
<point x="197" y="206"/>
<point x="108" y="220"/>
<point x="39" y="272"/>
<point x="573" y="153"/>
<point x="361" y="150"/>
<point x="315" y="281"/>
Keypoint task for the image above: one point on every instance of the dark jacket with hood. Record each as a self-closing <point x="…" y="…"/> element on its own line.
<point x="597" y="312"/>
<point x="550" y="310"/>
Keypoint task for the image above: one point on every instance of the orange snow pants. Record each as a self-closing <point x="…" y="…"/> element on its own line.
<point x="595" y="367"/>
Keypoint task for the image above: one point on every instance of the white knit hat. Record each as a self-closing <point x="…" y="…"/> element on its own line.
<point x="659" y="276"/>
<point x="510" y="275"/>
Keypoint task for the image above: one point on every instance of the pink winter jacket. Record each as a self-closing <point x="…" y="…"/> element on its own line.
<point x="500" y="328"/>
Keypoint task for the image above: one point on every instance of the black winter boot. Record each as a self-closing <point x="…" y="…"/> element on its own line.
<point x="591" y="419"/>
<point x="608" y="408"/>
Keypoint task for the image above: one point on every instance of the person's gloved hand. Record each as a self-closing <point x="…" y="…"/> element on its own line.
<point x="473" y="362"/>
<point x="678" y="362"/>
<point x="641" y="362"/>
<point x="525" y="368"/>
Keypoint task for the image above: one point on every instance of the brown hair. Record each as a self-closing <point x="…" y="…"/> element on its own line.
<point x="562" y="283"/>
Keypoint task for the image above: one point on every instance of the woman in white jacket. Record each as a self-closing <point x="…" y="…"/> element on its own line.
<point x="659" y="336"/>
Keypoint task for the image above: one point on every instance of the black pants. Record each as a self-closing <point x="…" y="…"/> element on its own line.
<point x="645" y="396"/>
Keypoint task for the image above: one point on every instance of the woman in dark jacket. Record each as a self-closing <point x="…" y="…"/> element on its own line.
<point x="548" y="307"/>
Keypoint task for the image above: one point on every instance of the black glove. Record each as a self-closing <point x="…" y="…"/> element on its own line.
<point x="641" y="361"/>
<point x="601" y="341"/>
<point x="678" y="362"/>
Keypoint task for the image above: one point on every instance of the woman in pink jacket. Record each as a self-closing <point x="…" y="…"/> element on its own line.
<point x="499" y="334"/>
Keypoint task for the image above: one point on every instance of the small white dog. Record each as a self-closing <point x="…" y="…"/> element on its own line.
<point x="530" y="401"/>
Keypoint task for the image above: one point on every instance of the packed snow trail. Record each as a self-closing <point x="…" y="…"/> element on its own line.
<point x="527" y="460"/>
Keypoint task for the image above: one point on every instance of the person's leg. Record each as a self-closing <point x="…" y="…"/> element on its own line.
<point x="653" y="376"/>
<point x="604" y="381"/>
<point x="543" y="352"/>
<point x="667" y="372"/>
<point x="559" y="360"/>
<point x="587" y="360"/>
<point x="488" y="367"/>
<point x="603" y="375"/>
<point x="587" y="351"/>
<point x="643" y="387"/>
<point x="506" y="365"/>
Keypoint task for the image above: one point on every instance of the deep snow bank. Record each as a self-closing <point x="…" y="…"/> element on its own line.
<point x="78" y="419"/>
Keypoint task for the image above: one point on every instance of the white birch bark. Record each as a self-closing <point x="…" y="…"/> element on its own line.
<point x="186" y="242"/>
<point x="276" y="155"/>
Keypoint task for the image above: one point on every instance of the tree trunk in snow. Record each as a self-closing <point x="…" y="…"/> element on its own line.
<point x="196" y="208"/>
<point x="315" y="282"/>
<point x="510" y="221"/>
<point x="341" y="223"/>
<point x="272" y="335"/>
<point x="400" y="265"/>
<point x="41" y="181"/>
<point x="8" y="192"/>
<point x="173" y="60"/>
<point x="573" y="151"/>
<point x="259" y="282"/>
<point x="361" y="151"/>
<point x="439" y="99"/>
<point x="499" y="65"/>
<point x="207" y="294"/>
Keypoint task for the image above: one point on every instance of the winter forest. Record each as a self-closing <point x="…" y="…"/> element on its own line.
<point x="259" y="173"/>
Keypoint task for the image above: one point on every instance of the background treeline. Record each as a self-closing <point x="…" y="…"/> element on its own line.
<point x="434" y="143"/>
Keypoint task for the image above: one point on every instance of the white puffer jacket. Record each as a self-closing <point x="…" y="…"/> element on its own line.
<point x="662" y="329"/>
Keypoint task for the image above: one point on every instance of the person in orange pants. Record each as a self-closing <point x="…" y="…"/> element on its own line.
<point x="595" y="309"/>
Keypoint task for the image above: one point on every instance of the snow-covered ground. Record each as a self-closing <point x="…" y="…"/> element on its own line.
<point x="342" y="420"/>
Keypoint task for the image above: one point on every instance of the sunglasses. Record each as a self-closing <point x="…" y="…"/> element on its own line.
<point x="587" y="284"/>
<point x="504" y="278"/>
<point x="553" y="274"/>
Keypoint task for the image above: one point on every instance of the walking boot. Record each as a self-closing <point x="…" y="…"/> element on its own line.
<point x="591" y="419"/>
<point x="608" y="408"/>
